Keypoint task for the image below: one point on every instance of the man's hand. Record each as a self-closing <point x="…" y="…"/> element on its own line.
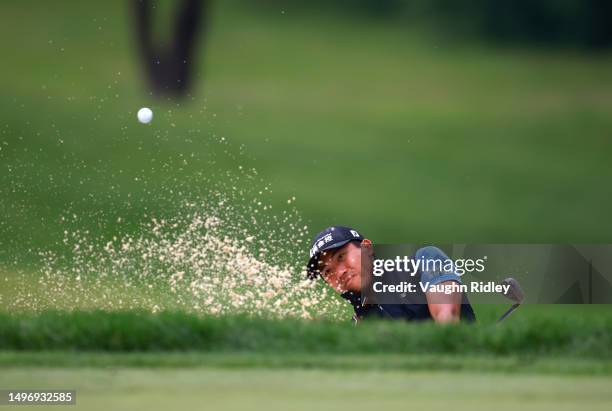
<point x="444" y="308"/>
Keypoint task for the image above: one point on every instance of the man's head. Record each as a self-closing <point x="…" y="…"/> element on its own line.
<point x="336" y="257"/>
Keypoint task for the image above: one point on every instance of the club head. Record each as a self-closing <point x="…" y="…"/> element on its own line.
<point x="515" y="292"/>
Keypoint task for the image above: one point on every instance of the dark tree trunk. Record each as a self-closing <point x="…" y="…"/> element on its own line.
<point x="169" y="68"/>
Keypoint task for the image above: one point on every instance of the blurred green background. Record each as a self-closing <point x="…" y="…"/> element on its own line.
<point x="413" y="121"/>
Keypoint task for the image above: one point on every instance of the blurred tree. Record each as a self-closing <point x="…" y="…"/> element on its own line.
<point x="574" y="23"/>
<point x="169" y="67"/>
<point x="582" y="23"/>
<point x="599" y="24"/>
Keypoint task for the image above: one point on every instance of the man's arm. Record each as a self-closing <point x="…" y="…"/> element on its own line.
<point x="444" y="308"/>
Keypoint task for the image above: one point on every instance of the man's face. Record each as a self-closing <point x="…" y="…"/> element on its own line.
<point x="341" y="267"/>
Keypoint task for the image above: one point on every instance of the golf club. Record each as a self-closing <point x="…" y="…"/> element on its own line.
<point x="515" y="294"/>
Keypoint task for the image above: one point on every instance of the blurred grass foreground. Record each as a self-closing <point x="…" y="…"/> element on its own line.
<point x="534" y="334"/>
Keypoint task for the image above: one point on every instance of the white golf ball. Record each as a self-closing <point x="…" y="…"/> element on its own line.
<point x="145" y="115"/>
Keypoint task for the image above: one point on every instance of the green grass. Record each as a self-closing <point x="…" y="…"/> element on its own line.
<point x="511" y="364"/>
<point x="437" y="142"/>
<point x="428" y="142"/>
<point x="533" y="335"/>
<point x="146" y="389"/>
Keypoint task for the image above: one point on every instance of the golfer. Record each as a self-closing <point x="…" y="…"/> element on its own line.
<point x="336" y="257"/>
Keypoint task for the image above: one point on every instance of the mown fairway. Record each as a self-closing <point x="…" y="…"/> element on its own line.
<point x="190" y="389"/>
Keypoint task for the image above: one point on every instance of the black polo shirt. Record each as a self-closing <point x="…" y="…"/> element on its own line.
<point x="407" y="312"/>
<point x="413" y="307"/>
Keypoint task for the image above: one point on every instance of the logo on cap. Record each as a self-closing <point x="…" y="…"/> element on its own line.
<point x="331" y="237"/>
<point x="320" y="243"/>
